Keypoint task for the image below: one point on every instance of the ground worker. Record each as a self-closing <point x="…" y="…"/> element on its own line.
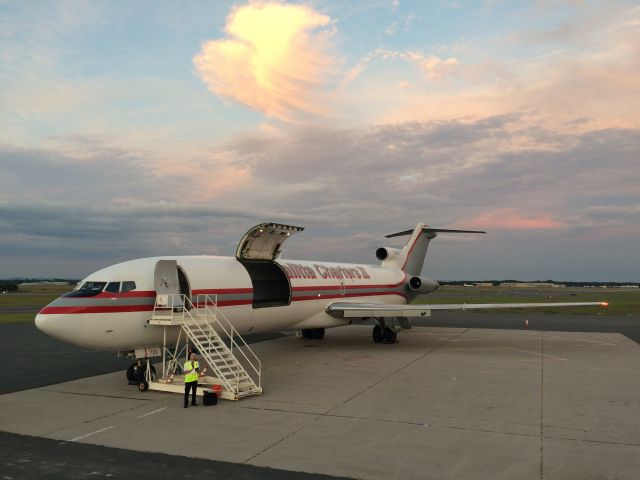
<point x="191" y="371"/>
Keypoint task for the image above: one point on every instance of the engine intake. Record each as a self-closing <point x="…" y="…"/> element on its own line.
<point x="423" y="284"/>
<point x="387" y="253"/>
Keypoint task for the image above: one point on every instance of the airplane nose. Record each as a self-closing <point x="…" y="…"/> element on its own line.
<point x="41" y="322"/>
<point x="46" y="324"/>
<point x="63" y="327"/>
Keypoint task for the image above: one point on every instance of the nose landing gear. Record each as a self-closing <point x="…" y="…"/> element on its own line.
<point x="136" y="372"/>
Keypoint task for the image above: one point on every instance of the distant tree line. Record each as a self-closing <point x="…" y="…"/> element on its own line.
<point x="11" y="285"/>
<point x="6" y="286"/>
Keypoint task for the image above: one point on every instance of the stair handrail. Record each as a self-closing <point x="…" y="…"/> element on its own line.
<point x="184" y="307"/>
<point x="218" y="351"/>
<point x="232" y="333"/>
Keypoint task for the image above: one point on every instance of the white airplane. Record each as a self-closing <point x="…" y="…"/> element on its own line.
<point x="257" y="291"/>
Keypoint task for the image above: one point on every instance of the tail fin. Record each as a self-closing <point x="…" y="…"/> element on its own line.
<point x="414" y="252"/>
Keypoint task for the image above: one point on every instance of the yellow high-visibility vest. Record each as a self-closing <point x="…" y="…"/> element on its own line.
<point x="193" y="376"/>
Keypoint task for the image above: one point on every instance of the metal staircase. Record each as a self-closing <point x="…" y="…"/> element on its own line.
<point x="234" y="365"/>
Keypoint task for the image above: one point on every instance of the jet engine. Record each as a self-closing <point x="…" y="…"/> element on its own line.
<point x="387" y="253"/>
<point x="423" y="284"/>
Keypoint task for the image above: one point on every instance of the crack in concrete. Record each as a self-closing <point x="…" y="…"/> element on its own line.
<point x="605" y="442"/>
<point x="327" y="413"/>
<point x="93" y="395"/>
<point x="451" y="339"/>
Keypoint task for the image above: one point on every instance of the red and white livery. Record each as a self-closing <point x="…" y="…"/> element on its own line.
<point x="256" y="290"/>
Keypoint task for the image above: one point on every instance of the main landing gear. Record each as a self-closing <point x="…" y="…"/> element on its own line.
<point x="384" y="334"/>
<point x="313" y="333"/>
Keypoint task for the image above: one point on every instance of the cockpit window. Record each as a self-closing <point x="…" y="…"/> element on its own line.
<point x="87" y="289"/>
<point x="113" y="287"/>
<point x="128" y="286"/>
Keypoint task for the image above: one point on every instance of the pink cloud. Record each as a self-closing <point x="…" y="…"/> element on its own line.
<point x="511" y="219"/>
<point x="274" y="59"/>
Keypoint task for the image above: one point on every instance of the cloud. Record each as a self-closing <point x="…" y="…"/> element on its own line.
<point x="511" y="219"/>
<point x="431" y="66"/>
<point x="274" y="59"/>
<point x="500" y="169"/>
<point x="100" y="204"/>
<point x="589" y="74"/>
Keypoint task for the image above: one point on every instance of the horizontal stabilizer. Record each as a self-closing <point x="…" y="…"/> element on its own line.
<point x="434" y="230"/>
<point x="360" y="310"/>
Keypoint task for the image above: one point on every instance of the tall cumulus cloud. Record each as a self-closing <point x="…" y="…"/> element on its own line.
<point x="274" y="59"/>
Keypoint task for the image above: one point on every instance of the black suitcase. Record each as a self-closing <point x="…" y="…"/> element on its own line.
<point x="209" y="398"/>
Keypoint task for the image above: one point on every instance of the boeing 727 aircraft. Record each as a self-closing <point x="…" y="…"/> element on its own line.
<point x="257" y="291"/>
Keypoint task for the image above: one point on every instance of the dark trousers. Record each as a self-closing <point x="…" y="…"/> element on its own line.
<point x="190" y="386"/>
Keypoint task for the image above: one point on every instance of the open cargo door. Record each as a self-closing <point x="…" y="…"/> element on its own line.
<point x="257" y="251"/>
<point x="263" y="241"/>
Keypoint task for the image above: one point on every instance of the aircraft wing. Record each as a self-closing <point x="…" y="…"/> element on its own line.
<point x="361" y="310"/>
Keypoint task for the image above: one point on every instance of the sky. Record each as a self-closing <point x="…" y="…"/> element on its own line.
<point x="135" y="129"/>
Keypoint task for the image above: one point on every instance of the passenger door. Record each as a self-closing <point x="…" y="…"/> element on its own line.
<point x="166" y="282"/>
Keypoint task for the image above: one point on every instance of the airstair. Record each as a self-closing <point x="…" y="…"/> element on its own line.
<point x="234" y="366"/>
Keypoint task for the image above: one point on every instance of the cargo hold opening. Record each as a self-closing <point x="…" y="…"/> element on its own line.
<point x="271" y="286"/>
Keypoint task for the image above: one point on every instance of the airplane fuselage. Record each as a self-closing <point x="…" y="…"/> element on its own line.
<point x="119" y="320"/>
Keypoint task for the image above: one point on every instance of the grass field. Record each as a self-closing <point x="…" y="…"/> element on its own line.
<point x="17" y="317"/>
<point x="36" y="296"/>
<point x="621" y="302"/>
<point x="44" y="288"/>
<point x="21" y="300"/>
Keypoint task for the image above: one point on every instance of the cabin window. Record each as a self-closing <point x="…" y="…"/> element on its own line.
<point x="113" y="287"/>
<point x="128" y="286"/>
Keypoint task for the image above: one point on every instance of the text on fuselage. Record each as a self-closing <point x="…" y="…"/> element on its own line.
<point x="295" y="270"/>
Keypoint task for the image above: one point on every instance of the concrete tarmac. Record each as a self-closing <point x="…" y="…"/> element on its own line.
<point x="443" y="403"/>
<point x="49" y="361"/>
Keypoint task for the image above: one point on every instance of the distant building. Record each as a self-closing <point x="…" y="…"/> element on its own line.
<point x="531" y="285"/>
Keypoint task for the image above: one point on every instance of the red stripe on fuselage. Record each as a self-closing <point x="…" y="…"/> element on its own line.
<point x="222" y="303"/>
<point x="95" y="309"/>
<point x="340" y="287"/>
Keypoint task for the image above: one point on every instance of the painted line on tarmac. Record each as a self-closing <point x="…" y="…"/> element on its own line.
<point x="547" y="356"/>
<point x="151" y="413"/>
<point x="92" y="433"/>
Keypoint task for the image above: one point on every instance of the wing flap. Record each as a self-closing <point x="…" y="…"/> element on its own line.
<point x="359" y="310"/>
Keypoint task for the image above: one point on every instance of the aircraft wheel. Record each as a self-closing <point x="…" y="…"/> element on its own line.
<point x="377" y="334"/>
<point x="389" y="336"/>
<point x="317" y="333"/>
<point x="131" y="372"/>
<point x="306" y="333"/>
<point x="143" y="386"/>
<point x="140" y="372"/>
